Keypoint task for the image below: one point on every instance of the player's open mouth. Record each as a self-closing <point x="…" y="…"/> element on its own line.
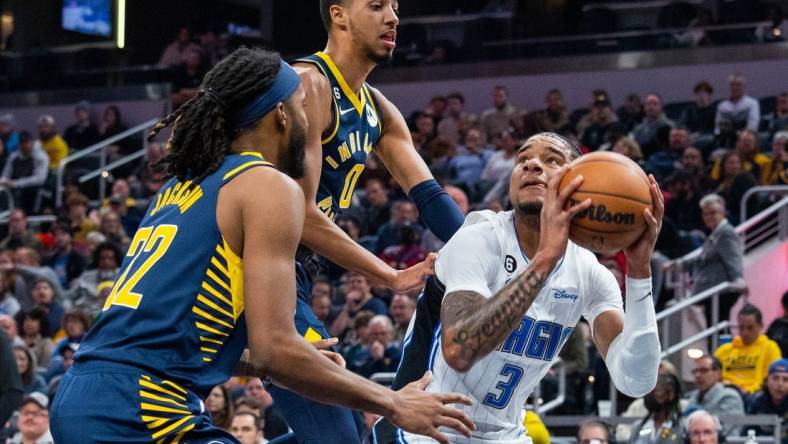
<point x="389" y="39"/>
<point x="534" y="184"/>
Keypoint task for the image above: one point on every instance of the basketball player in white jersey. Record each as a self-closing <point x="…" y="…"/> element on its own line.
<point x="515" y="287"/>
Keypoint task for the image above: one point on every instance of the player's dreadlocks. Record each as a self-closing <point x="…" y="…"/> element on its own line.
<point x="201" y="135"/>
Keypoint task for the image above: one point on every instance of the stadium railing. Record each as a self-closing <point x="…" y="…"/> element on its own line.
<point x="100" y="150"/>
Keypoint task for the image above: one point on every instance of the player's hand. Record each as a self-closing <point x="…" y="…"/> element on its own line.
<point x="324" y="346"/>
<point x="414" y="277"/>
<point x="639" y="254"/>
<point x="335" y="357"/>
<point x="555" y="218"/>
<point x="422" y="413"/>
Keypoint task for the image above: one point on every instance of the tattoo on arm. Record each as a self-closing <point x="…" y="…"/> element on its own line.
<point x="476" y="326"/>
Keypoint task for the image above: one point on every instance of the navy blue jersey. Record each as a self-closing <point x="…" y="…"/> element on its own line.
<point x="176" y="308"/>
<point x="356" y="126"/>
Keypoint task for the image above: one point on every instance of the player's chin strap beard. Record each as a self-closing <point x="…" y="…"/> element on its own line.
<point x="530" y="213"/>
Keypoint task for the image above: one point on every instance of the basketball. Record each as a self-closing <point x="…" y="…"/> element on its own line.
<point x="619" y="191"/>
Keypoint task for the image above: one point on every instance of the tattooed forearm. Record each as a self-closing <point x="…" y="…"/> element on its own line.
<point x="474" y="326"/>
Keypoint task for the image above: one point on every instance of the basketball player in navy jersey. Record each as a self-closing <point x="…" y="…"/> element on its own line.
<point x="210" y="273"/>
<point x="348" y="118"/>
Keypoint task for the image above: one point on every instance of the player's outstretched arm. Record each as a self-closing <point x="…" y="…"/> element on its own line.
<point x="321" y="234"/>
<point x="271" y="228"/>
<point x="630" y="343"/>
<point x="473" y="326"/>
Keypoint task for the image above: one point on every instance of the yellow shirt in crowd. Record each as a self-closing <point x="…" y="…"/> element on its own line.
<point x="535" y="428"/>
<point x="746" y="366"/>
<point x="56" y="148"/>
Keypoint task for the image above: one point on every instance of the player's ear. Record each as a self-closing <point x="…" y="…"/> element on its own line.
<point x="339" y="15"/>
<point x="281" y="115"/>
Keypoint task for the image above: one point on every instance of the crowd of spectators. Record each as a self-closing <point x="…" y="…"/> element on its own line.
<point x="55" y="277"/>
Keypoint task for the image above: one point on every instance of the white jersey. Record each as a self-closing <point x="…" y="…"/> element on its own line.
<point x="483" y="256"/>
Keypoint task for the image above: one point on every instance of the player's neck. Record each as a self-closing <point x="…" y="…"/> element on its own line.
<point x="265" y="143"/>
<point x="527" y="232"/>
<point x="354" y="67"/>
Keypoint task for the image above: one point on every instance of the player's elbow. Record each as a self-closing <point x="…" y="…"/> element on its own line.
<point x="455" y="356"/>
<point x="266" y="356"/>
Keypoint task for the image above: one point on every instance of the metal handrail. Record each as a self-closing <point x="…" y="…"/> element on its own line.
<point x="757" y="190"/>
<point x="92" y="149"/>
<point x="700" y="297"/>
<point x="10" y="197"/>
<point x="103" y="171"/>
<point x="711" y="331"/>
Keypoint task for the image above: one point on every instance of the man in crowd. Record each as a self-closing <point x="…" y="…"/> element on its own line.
<point x="593" y="432"/>
<point x="401" y="310"/>
<point x="650" y="132"/>
<point x="83" y="132"/>
<point x="496" y="119"/>
<point x="50" y="141"/>
<point x="25" y="172"/>
<point x="382" y="354"/>
<point x="778" y="330"/>
<point x="18" y="233"/>
<point x="711" y="394"/>
<point x="738" y="112"/>
<point x="703" y="428"/>
<point x="246" y="427"/>
<point x="772" y="399"/>
<point x="34" y="421"/>
<point x="746" y="359"/>
<point x="449" y="126"/>
<point x="8" y="134"/>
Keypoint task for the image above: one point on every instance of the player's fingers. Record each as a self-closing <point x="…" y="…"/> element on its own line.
<point x="652" y="222"/>
<point x="459" y="415"/>
<point x="453" y="398"/>
<point x="576" y="208"/>
<point x="563" y="196"/>
<point x="336" y="357"/>
<point x="425" y="381"/>
<point x="325" y="344"/>
<point x="438" y="436"/>
<point x="455" y="425"/>
<point x="552" y="185"/>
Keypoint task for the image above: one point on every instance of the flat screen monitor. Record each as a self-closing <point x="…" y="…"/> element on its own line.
<point x="92" y="17"/>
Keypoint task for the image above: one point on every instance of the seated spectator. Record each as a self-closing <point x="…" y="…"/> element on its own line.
<point x="593" y="432"/>
<point x="187" y="77"/>
<point x="496" y="119"/>
<point x="408" y="252"/>
<point x="501" y="162"/>
<point x="112" y="125"/>
<point x="401" y="310"/>
<point x="683" y="207"/>
<point x="358" y="298"/>
<point x="380" y="354"/>
<point x="124" y="205"/>
<point x="593" y="127"/>
<point x="81" y="224"/>
<point x="9" y="326"/>
<point x="67" y="263"/>
<point x="357" y="338"/>
<point x="147" y="179"/>
<point x="19" y="235"/>
<point x="692" y="162"/>
<point x="255" y="394"/>
<point x="247" y="428"/>
<point x="28" y="265"/>
<point x="449" y="126"/>
<point x="699" y="116"/>
<point x="466" y="166"/>
<point x="664" y="162"/>
<point x="321" y="307"/>
<point x="778" y="120"/>
<point x="649" y="132"/>
<point x="554" y="116"/>
<point x="376" y="206"/>
<point x="50" y="141"/>
<point x="711" y="394"/>
<point x="75" y="325"/>
<point x="751" y="158"/>
<point x="736" y="113"/>
<point x="33" y="421"/>
<point x="778" y="329"/>
<point x="777" y="171"/>
<point x="26" y="365"/>
<point x="772" y="398"/>
<point x="703" y="428"/>
<point x="9" y="305"/>
<point x="64" y="361"/>
<point x="36" y="335"/>
<point x="402" y="212"/>
<point x="746" y="359"/>
<point x="631" y="113"/>
<point x="220" y="406"/>
<point x="734" y="181"/>
<point x="630" y="148"/>
<point x="662" y="424"/>
<point x="112" y="228"/>
<point x="720" y="259"/>
<point x="424" y="133"/>
<point x="44" y="298"/>
<point x="25" y="172"/>
<point x="175" y="53"/>
<point x="83" y="133"/>
<point x="9" y="136"/>
<point x="429" y="241"/>
<point x="104" y="267"/>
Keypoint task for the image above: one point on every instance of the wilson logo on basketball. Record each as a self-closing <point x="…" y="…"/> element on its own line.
<point x="599" y="213"/>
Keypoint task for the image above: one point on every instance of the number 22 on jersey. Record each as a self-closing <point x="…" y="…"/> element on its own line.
<point x="154" y="240"/>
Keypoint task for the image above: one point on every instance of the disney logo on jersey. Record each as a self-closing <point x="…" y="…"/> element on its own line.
<point x="372" y="119"/>
<point x="569" y="294"/>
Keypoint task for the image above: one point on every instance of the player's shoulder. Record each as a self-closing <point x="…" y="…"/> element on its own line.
<point x="482" y="228"/>
<point x="273" y="183"/>
<point x="312" y="78"/>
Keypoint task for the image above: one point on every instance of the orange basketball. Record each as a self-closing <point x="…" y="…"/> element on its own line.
<point x="619" y="191"/>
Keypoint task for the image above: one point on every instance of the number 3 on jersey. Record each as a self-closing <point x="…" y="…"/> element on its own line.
<point x="146" y="240"/>
<point x="507" y="387"/>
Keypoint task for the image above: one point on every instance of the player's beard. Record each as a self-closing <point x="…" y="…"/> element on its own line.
<point x="380" y="58"/>
<point x="530" y="212"/>
<point x="292" y="160"/>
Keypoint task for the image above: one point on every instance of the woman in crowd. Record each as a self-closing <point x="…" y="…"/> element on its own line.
<point x="26" y="364"/>
<point x="35" y="334"/>
<point x="220" y="405"/>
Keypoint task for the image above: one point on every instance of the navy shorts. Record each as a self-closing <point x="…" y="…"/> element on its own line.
<point x="104" y="402"/>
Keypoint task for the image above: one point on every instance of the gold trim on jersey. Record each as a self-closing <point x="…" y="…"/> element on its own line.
<point x="243" y="167"/>
<point x="164" y="410"/>
<point x="358" y="100"/>
<point x="220" y="302"/>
